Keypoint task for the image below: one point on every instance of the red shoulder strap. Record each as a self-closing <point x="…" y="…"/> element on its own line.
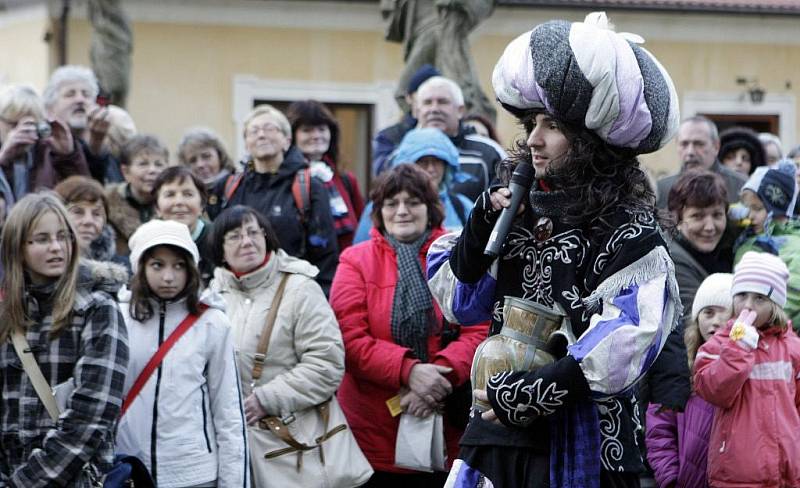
<point x="151" y="365"/>
<point x="301" y="191"/>
<point x="231" y="184"/>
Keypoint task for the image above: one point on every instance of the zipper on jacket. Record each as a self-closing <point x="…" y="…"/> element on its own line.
<point x="722" y="449"/>
<point x="162" y="312"/>
<point x="205" y="425"/>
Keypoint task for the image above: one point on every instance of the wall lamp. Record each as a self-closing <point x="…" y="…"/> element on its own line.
<point x="753" y="90"/>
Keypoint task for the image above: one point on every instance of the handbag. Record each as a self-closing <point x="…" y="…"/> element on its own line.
<point x="322" y="428"/>
<point x="420" y="443"/>
<point x="127" y="471"/>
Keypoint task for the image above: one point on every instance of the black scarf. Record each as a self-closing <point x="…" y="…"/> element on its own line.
<point x="412" y="307"/>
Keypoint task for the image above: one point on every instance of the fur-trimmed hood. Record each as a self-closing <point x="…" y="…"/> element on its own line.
<point x="104" y="248"/>
<point x="102" y="275"/>
<point x="123" y="216"/>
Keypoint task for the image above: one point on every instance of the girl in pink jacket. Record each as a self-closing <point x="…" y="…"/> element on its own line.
<point x="750" y="371"/>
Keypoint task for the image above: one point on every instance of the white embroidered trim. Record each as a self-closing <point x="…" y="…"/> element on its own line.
<point x="522" y="402"/>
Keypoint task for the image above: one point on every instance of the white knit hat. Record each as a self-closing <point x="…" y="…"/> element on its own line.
<point x="764" y="273"/>
<point x="714" y="291"/>
<point x="158" y="232"/>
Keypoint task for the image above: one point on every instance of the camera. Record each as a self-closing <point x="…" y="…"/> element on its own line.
<point x="43" y="129"/>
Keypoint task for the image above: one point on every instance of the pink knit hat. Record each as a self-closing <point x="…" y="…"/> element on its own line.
<point x="763" y="273"/>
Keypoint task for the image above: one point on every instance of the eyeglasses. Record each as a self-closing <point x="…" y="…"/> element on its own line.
<point x="236" y="238"/>
<point x="269" y="129"/>
<point x="44" y="240"/>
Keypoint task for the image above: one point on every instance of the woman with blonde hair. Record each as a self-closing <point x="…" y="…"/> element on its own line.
<point x="278" y="183"/>
<point x="74" y="332"/>
<point x="34" y="153"/>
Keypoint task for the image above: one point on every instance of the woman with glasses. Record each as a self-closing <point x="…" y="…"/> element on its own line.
<point x="396" y="340"/>
<point x="67" y="313"/>
<point x="34" y="153"/>
<point x="278" y="184"/>
<point x="305" y="362"/>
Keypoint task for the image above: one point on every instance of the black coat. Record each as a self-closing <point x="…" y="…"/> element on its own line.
<point x="562" y="269"/>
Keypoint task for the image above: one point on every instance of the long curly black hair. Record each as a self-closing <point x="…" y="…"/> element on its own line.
<point x="598" y="179"/>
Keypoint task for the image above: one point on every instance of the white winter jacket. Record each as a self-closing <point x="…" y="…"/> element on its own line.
<point x="187" y="424"/>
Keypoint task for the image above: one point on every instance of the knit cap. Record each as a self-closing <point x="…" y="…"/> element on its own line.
<point x="714" y="291"/>
<point x="420" y="76"/>
<point x="586" y="74"/>
<point x="764" y="273"/>
<point x="775" y="188"/>
<point x="158" y="232"/>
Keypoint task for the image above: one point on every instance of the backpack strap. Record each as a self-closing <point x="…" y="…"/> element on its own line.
<point x="231" y="185"/>
<point x="458" y="205"/>
<point x="348" y="185"/>
<point x="301" y="191"/>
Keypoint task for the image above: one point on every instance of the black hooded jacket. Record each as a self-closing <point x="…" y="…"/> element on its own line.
<point x="271" y="194"/>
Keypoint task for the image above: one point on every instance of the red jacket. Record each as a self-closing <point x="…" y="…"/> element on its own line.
<point x="375" y="367"/>
<point x="755" y="439"/>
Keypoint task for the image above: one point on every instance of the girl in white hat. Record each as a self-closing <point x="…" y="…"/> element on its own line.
<point x="186" y="422"/>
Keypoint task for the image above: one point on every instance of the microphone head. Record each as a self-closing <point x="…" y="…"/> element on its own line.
<point x="523" y="175"/>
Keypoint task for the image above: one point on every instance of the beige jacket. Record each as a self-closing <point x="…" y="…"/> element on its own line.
<point x="305" y="360"/>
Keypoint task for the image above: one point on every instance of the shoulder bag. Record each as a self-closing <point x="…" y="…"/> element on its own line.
<point x="322" y="428"/>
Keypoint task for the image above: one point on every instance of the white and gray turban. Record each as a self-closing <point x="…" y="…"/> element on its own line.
<point x="588" y="75"/>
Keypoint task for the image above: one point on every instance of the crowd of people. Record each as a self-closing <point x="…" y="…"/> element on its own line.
<point x="189" y="314"/>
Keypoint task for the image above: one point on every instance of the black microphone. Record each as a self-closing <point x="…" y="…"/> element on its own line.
<point x="521" y="181"/>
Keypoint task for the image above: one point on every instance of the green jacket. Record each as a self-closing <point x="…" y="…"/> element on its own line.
<point x="786" y="238"/>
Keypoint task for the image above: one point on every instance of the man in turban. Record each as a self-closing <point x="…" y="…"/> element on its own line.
<point x="585" y="244"/>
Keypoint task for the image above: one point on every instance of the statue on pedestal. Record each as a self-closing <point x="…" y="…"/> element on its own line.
<point x="435" y="32"/>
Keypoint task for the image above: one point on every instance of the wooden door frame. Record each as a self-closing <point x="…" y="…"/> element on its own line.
<point x="784" y="106"/>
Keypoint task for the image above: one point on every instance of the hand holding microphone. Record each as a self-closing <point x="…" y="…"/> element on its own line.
<point x="509" y="199"/>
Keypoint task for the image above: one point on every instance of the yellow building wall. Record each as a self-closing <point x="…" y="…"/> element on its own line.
<point x="183" y="74"/>
<point x="24" y="58"/>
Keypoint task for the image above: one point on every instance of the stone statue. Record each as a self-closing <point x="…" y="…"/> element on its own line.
<point x="110" y="52"/>
<point x="435" y="32"/>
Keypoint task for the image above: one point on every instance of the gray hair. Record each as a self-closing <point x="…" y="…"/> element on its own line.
<point x="204" y="137"/>
<point x="770" y="138"/>
<point x="452" y="86"/>
<point x="69" y="74"/>
<point x="713" y="132"/>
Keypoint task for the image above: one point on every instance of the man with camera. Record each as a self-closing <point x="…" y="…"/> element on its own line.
<point x="71" y="95"/>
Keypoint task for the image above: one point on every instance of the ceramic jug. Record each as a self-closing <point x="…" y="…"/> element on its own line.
<point x="523" y="344"/>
